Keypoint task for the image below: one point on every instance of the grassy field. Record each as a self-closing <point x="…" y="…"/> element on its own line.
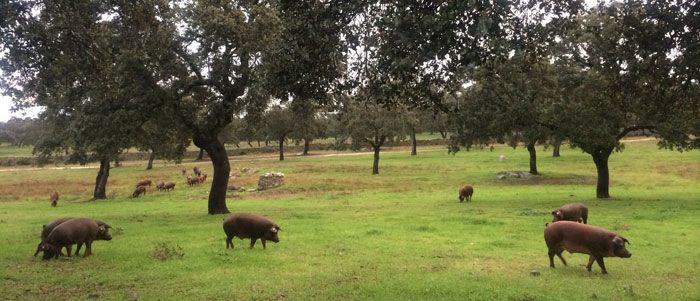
<point x="347" y="235"/>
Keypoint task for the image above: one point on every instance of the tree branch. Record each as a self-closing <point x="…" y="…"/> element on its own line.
<point x="627" y="130"/>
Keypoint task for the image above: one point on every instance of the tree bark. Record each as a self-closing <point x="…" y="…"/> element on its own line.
<point x="375" y="165"/>
<point x="557" y="145"/>
<point x="413" y="142"/>
<point x="101" y="180"/>
<point x="600" y="157"/>
<point x="219" y="159"/>
<point x="150" y="161"/>
<point x="306" y="147"/>
<point x="200" y="157"/>
<point x="282" y="149"/>
<point x="533" y="158"/>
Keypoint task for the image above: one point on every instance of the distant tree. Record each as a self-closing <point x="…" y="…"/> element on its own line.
<point x="371" y="124"/>
<point x="163" y="137"/>
<point x="21" y="131"/>
<point x="305" y="124"/>
<point x="278" y="126"/>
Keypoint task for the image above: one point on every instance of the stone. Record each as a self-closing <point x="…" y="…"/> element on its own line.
<point x="270" y="180"/>
<point x="502" y="158"/>
<point x="535" y="273"/>
<point x="513" y="174"/>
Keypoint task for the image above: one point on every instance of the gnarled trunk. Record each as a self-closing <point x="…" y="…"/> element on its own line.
<point x="557" y="145"/>
<point x="413" y="142"/>
<point x="101" y="180"/>
<point x="600" y="157"/>
<point x="306" y="147"/>
<point x="533" y="158"/>
<point x="375" y="165"/>
<point x="150" y="161"/>
<point x="219" y="159"/>
<point x="282" y="149"/>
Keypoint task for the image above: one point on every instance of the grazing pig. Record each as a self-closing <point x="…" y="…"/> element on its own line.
<point x="75" y="231"/>
<point x="575" y="212"/>
<point x="144" y="183"/>
<point x="169" y="186"/>
<point x="466" y="193"/>
<point x="184" y="171"/>
<point x="54" y="199"/>
<point x="202" y="178"/>
<point x="197" y="171"/>
<point x="46" y="229"/>
<point x="580" y="238"/>
<point x="160" y="185"/>
<point x="138" y="191"/>
<point x="246" y="225"/>
<point x="192" y="180"/>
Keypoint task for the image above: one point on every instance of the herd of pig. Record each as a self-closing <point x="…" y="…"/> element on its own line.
<point x="569" y="231"/>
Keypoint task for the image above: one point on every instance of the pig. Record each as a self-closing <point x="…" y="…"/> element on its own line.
<point x="46" y="230"/>
<point x="192" y="180"/>
<point x="54" y="199"/>
<point x="75" y="231"/>
<point x="184" y="171"/>
<point x="246" y="225"/>
<point x="466" y="193"/>
<point x="160" y="185"/>
<point x="138" y="191"/>
<point x="144" y="183"/>
<point x="197" y="171"/>
<point x="575" y="212"/>
<point x="169" y="186"/>
<point x="202" y="178"/>
<point x="586" y="239"/>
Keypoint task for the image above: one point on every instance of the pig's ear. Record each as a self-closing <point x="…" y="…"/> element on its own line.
<point x="618" y="240"/>
<point x="554" y="212"/>
<point x="278" y="228"/>
<point x="273" y="230"/>
<point x="625" y="240"/>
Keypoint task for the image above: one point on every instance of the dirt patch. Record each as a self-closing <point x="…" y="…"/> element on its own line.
<point x="566" y="179"/>
<point x="686" y="170"/>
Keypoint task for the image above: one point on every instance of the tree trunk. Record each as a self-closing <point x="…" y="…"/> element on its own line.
<point x="533" y="158"/>
<point x="282" y="149"/>
<point x="219" y="159"/>
<point x="250" y="144"/>
<point x="413" y="142"/>
<point x="150" y="161"/>
<point x="600" y="157"/>
<point x="375" y="166"/>
<point x="443" y="134"/>
<point x="117" y="163"/>
<point x="101" y="180"/>
<point x="306" y="147"/>
<point x="557" y="144"/>
<point x="200" y="157"/>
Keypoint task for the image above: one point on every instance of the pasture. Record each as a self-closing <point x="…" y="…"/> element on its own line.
<point x="348" y="235"/>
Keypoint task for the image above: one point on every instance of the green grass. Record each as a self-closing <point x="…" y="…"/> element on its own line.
<point x="401" y="235"/>
<point x="7" y="150"/>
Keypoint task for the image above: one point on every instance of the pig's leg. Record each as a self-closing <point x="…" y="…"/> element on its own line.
<point x="551" y="258"/>
<point x="68" y="250"/>
<point x="599" y="259"/>
<point x="252" y="242"/>
<point x="590" y="262"/>
<point x="263" y="242"/>
<point x="38" y="248"/>
<point x="88" y="249"/>
<point x="560" y="257"/>
<point x="229" y="242"/>
<point x="77" y="250"/>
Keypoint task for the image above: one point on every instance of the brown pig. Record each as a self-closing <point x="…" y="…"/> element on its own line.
<point x="47" y="229"/>
<point x="75" y="231"/>
<point x="54" y="199"/>
<point x="160" y="185"/>
<point x="138" y="191"/>
<point x="575" y="212"/>
<point x="246" y="225"/>
<point x="144" y="183"/>
<point x="169" y="185"/>
<point x="466" y="193"/>
<point x="580" y="238"/>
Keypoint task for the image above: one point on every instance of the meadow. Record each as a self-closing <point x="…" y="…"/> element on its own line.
<point x="348" y="235"/>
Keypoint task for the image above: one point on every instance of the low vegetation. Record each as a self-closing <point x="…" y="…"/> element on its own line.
<point x="399" y="235"/>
